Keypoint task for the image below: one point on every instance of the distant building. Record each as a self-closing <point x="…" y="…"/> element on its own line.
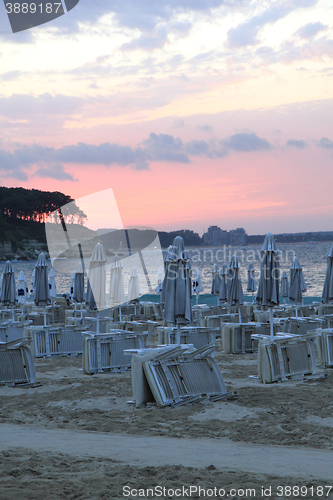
<point x="238" y="236"/>
<point x="215" y="236"/>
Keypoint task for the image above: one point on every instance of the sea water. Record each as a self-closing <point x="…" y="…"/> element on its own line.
<point x="312" y="257"/>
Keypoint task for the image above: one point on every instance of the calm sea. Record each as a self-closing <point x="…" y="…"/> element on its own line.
<point x="312" y="257"/>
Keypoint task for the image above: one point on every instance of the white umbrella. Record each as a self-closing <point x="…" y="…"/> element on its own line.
<point x="22" y="288"/>
<point x="117" y="290"/>
<point x="197" y="287"/>
<point x="134" y="290"/>
<point x="251" y="282"/>
<point x="223" y="283"/>
<point x="52" y="285"/>
<point x="268" y="288"/>
<point x="97" y="279"/>
<point x="297" y="283"/>
<point x="177" y="286"/>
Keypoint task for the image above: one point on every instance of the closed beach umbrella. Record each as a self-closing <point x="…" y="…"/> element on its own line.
<point x="251" y="282"/>
<point x="97" y="280"/>
<point x="327" y="295"/>
<point x="78" y="285"/>
<point x="284" y="292"/>
<point x="297" y="283"/>
<point x="117" y="289"/>
<point x="223" y="283"/>
<point x="159" y="279"/>
<point x="52" y="285"/>
<point x="22" y="288"/>
<point x="177" y="286"/>
<point x="8" y="290"/>
<point x="268" y="287"/>
<point x="234" y="285"/>
<point x="42" y="296"/>
<point x="215" y="280"/>
<point x="134" y="290"/>
<point x="97" y="277"/>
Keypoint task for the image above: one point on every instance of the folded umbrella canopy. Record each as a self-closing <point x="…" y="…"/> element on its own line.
<point x="134" y="290"/>
<point x="177" y="286"/>
<point x="22" y="288"/>
<point x="268" y="287"/>
<point x="117" y="289"/>
<point x="216" y="282"/>
<point x="223" y="283"/>
<point x="297" y="283"/>
<point x="97" y="278"/>
<point x="42" y="296"/>
<point x="327" y="295"/>
<point x="284" y="292"/>
<point x="234" y="285"/>
<point x="8" y="290"/>
<point x="97" y="281"/>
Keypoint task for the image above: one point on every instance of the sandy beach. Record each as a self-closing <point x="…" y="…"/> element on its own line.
<point x="77" y="436"/>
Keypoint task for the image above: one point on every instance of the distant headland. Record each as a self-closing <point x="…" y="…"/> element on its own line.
<point x="22" y="226"/>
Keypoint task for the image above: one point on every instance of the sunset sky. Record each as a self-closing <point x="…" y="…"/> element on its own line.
<point x="195" y="112"/>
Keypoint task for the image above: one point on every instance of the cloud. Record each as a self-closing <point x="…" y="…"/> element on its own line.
<point x="325" y="143"/>
<point x="165" y="147"/>
<point x="297" y="144"/>
<point x="310" y="30"/>
<point x="54" y="172"/>
<point x="49" y="161"/>
<point x="24" y="106"/>
<point x="247" y="33"/>
<point x="205" y="128"/>
<point x="246" y="142"/>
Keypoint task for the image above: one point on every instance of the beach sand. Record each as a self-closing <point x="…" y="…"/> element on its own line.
<point x="76" y="436"/>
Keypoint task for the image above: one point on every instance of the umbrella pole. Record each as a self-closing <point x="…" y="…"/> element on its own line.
<point x="197" y="299"/>
<point x="120" y="312"/>
<point x="178" y="334"/>
<point x="13" y="314"/>
<point x="239" y="315"/>
<point x="271" y="322"/>
<point x="45" y="316"/>
<point x="296" y="311"/>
